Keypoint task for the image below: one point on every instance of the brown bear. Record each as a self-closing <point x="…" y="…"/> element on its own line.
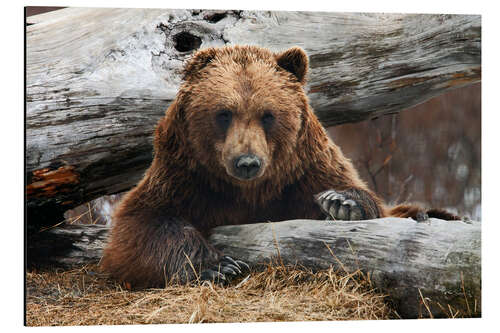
<point x="239" y="144"/>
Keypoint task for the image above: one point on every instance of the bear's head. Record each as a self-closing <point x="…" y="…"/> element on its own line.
<point x="243" y="109"/>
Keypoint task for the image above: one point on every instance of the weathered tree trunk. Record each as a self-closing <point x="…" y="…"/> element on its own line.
<point x="95" y="89"/>
<point x="403" y="257"/>
<point x="438" y="261"/>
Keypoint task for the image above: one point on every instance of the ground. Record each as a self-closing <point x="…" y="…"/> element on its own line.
<point x="279" y="293"/>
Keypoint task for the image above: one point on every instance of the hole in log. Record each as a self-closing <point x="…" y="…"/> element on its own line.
<point x="97" y="211"/>
<point x="214" y="17"/>
<point x="185" y="41"/>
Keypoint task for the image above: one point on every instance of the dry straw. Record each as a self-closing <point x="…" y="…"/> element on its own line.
<point x="278" y="293"/>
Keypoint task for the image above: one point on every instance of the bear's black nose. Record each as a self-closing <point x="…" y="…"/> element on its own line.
<point x="247" y="166"/>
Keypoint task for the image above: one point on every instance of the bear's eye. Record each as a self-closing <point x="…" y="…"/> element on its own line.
<point x="267" y="120"/>
<point x="223" y="119"/>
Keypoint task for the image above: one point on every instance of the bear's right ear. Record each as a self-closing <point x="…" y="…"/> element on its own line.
<point x="295" y="61"/>
<point x="199" y="60"/>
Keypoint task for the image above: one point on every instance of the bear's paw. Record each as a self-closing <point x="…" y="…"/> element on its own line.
<point x="340" y="206"/>
<point x="225" y="271"/>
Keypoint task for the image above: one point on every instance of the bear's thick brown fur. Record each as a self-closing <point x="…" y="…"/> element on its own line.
<point x="239" y="144"/>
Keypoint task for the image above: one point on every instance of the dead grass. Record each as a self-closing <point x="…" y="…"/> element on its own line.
<point x="279" y="293"/>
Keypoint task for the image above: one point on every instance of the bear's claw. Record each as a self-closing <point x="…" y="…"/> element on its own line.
<point x="227" y="269"/>
<point x="211" y="275"/>
<point x="339" y="206"/>
<point x="243" y="266"/>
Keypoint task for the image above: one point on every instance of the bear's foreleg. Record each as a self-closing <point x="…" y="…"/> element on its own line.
<point x="351" y="204"/>
<point x="147" y="251"/>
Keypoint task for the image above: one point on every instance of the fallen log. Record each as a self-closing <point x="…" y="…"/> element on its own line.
<point x="423" y="267"/>
<point x="95" y="90"/>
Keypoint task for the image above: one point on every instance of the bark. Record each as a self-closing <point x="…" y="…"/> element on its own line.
<point x="438" y="261"/>
<point x="98" y="80"/>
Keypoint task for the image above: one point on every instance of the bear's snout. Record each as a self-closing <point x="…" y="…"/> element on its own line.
<point x="247" y="166"/>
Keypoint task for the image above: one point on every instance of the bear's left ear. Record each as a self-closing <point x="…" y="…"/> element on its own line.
<point x="295" y="61"/>
<point x="199" y="60"/>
